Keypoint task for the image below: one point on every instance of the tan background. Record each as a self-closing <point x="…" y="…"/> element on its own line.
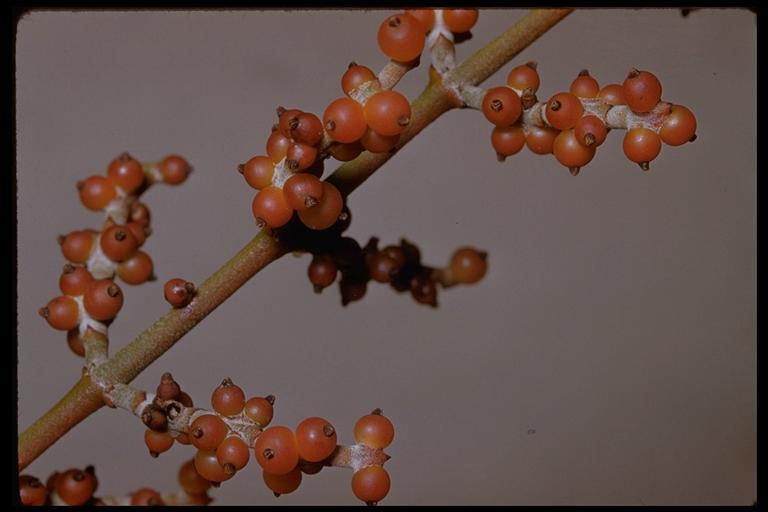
<point x="617" y="321"/>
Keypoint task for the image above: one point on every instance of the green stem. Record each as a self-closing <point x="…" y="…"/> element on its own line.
<point x="439" y="97"/>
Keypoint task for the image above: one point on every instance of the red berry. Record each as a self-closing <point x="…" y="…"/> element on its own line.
<point x="502" y="106"/>
<point x="468" y="265"/>
<point x="191" y="481"/>
<point x="96" y="192"/>
<point x="642" y="90"/>
<point x="564" y="110"/>
<point x="233" y="453"/>
<point x="178" y="292"/>
<point x="371" y="484"/>
<point x="259" y="409"/>
<point x="283" y="484"/>
<point x="387" y="112"/>
<point x="401" y="37"/>
<point x="570" y="152"/>
<point x="271" y="208"/>
<point x="678" y="127"/>
<point x="137" y="269"/>
<point x="641" y="145"/>
<point x="507" y="140"/>
<point x="146" y="497"/>
<point x="460" y="20"/>
<point x="326" y="212"/>
<point x="344" y="120"/>
<point x="524" y="77"/>
<point x="103" y="300"/>
<point x="75" y="487"/>
<point x="61" y="313"/>
<point x="584" y="86"/>
<point x="207" y="465"/>
<point x="174" y="169"/>
<point x="32" y="491"/>
<point x="590" y="131"/>
<point x="541" y="140"/>
<point x="127" y="173"/>
<point x="355" y="76"/>
<point x="74" y="280"/>
<point x="277" y="146"/>
<point x="276" y="450"/>
<point x="118" y="243"/>
<point x="208" y="431"/>
<point x="315" y="439"/>
<point x="258" y="171"/>
<point x="374" y="430"/>
<point x="228" y="399"/>
<point x="425" y="16"/>
<point x="77" y="245"/>
<point x="303" y="191"/>
<point x="612" y="94"/>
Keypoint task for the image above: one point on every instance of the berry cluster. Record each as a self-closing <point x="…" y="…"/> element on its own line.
<point x="89" y="292"/>
<point x="402" y="36"/>
<point x="225" y="435"/>
<point x="75" y="487"/>
<point x="571" y="125"/>
<point x="368" y="117"/>
<point x="398" y="265"/>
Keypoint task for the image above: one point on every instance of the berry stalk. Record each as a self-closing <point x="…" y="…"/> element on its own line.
<point x="439" y="97"/>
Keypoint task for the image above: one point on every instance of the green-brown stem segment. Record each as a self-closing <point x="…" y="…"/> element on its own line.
<point x="439" y="97"/>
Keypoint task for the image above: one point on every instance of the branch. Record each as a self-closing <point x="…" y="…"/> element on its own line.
<point x="439" y="97"/>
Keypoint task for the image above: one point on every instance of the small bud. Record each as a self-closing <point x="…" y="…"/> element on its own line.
<point x="496" y="105"/>
<point x="531" y="64"/>
<point x="584" y="72"/>
<point x="633" y="73"/>
<point x="645" y="166"/>
<point x="241" y="168"/>
<point x="270" y="399"/>
<point x="574" y="170"/>
<point x="555" y="106"/>
<point x="268" y="453"/>
<point x="394" y="21"/>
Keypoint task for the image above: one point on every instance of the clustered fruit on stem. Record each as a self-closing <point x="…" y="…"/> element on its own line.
<point x="91" y="299"/>
<point x="371" y="119"/>
<point x="571" y="125"/>
<point x="235" y="425"/>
